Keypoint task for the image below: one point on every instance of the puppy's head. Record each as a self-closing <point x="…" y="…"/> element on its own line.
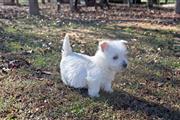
<point x="115" y="53"/>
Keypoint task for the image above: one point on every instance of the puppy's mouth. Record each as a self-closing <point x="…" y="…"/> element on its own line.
<point x="112" y="69"/>
<point x="115" y="69"/>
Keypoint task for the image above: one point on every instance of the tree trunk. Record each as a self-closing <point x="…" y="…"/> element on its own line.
<point x="17" y="2"/>
<point x="137" y="1"/>
<point x="156" y="1"/>
<point x="129" y="3"/>
<point x="71" y="3"/>
<point x="177" y="6"/>
<point x="150" y="3"/>
<point x="13" y="2"/>
<point x="75" y="5"/>
<point x="33" y="7"/>
<point x="43" y="1"/>
<point x="58" y="5"/>
<point x="104" y="3"/>
<point x="166" y="1"/>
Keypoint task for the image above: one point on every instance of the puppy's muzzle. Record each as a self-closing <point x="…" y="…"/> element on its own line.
<point x="124" y="64"/>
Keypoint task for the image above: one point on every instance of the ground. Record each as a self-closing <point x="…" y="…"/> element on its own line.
<point x="30" y="52"/>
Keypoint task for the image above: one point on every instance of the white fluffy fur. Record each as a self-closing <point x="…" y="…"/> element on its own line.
<point x="93" y="72"/>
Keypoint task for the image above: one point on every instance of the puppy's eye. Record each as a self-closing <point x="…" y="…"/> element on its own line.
<point x="115" y="57"/>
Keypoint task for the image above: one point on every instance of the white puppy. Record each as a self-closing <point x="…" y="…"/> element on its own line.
<point x="93" y="72"/>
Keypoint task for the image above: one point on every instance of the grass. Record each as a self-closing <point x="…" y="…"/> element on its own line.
<point x="148" y="89"/>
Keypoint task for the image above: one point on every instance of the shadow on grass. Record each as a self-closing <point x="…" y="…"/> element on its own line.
<point x="123" y="100"/>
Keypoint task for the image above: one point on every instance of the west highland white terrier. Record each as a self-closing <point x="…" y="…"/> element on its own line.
<point x="93" y="72"/>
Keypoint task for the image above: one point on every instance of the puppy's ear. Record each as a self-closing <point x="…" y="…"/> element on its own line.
<point x="104" y="45"/>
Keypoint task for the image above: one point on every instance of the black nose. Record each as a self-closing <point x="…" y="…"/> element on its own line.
<point x="124" y="64"/>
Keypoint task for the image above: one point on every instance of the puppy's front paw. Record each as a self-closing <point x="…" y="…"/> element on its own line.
<point x="95" y="95"/>
<point x="110" y="90"/>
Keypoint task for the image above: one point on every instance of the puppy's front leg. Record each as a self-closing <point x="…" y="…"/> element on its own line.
<point x="93" y="88"/>
<point x="108" y="86"/>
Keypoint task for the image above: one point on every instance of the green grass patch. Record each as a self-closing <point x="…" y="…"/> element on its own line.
<point x="14" y="46"/>
<point x="45" y="60"/>
<point x="40" y="61"/>
<point x="77" y="109"/>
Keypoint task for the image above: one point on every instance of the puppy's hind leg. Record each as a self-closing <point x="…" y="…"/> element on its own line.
<point x="93" y="88"/>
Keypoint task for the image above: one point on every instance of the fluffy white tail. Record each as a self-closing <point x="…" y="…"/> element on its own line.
<point x="66" y="49"/>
